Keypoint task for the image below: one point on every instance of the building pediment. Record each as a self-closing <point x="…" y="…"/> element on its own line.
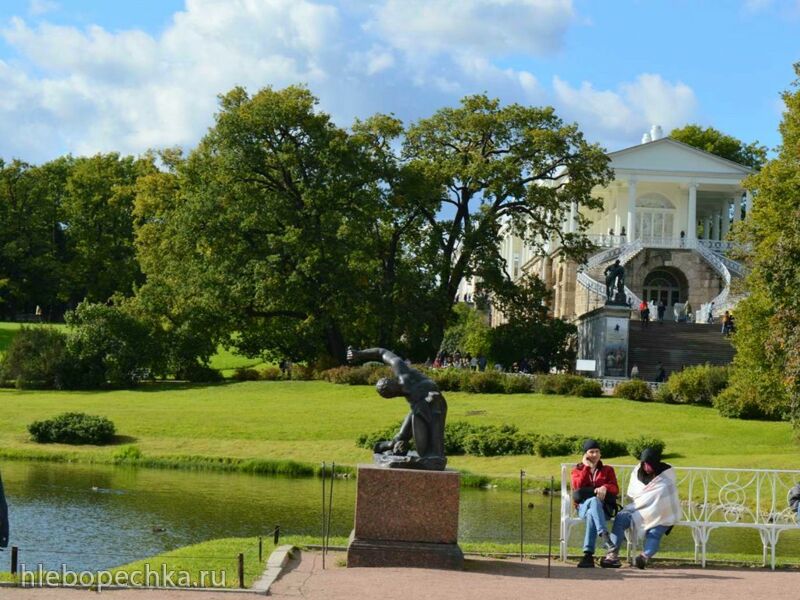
<point x="671" y="156"/>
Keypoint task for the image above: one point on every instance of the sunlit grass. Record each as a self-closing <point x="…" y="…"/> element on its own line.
<point x="310" y="422"/>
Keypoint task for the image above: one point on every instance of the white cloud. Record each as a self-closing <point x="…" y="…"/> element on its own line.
<point x="41" y="7"/>
<point x="93" y="90"/>
<point x="622" y="115"/>
<point x="494" y="27"/>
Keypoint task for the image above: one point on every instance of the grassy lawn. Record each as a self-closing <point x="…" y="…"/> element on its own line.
<point x="312" y="422"/>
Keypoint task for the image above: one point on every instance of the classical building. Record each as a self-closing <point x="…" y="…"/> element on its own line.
<point x="666" y="218"/>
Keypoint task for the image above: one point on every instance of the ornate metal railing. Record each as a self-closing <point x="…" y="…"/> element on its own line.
<point x="716" y="245"/>
<point x="715" y="498"/>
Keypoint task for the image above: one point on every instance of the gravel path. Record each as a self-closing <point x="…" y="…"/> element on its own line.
<point x="481" y="579"/>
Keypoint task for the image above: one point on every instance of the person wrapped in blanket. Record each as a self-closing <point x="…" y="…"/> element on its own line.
<point x="794" y="500"/>
<point x="653" y="512"/>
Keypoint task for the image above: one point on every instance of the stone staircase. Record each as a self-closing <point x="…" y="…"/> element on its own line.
<point x="676" y="345"/>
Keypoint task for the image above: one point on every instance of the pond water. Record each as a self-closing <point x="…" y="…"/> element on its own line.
<point x="98" y="516"/>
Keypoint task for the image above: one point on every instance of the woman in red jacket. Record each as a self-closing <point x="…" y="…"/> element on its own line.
<point x="594" y="492"/>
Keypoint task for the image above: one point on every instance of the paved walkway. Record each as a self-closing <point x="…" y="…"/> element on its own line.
<point x="482" y="579"/>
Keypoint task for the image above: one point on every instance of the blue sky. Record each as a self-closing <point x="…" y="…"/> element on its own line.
<point x="87" y="76"/>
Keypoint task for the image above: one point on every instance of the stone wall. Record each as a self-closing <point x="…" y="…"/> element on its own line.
<point x="703" y="282"/>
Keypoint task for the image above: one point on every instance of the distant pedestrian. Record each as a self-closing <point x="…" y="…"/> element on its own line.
<point x="661" y="373"/>
<point x="644" y="313"/>
<point x="724" y="321"/>
<point x="473" y="363"/>
<point x="661" y="308"/>
<point x="635" y="372"/>
<point x="482" y="363"/>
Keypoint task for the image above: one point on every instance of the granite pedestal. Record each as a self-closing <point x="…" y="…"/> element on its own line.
<point x="406" y="518"/>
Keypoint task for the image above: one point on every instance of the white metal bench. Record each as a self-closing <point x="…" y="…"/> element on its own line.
<point x="711" y="499"/>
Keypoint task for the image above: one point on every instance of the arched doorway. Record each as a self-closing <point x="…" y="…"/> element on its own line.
<point x="668" y="285"/>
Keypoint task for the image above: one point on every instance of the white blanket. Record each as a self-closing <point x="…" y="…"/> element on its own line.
<point x="656" y="503"/>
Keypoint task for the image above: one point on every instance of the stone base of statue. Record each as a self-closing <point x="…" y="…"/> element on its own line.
<point x="406" y="518"/>
<point x="603" y="338"/>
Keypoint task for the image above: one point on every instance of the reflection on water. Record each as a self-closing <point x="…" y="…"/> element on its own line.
<point x="92" y="516"/>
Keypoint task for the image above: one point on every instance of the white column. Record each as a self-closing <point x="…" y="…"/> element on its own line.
<point x="631" y="209"/>
<point x="726" y="219"/>
<point x="737" y="208"/>
<point x="691" y="226"/>
<point x="718" y="224"/>
<point x="748" y="198"/>
<point x="707" y="228"/>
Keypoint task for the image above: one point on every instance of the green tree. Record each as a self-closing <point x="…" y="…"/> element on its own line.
<point x="97" y="211"/>
<point x="752" y="155"/>
<point x="469" y="334"/>
<point x="529" y="332"/>
<point x="768" y="343"/>
<point x="281" y="234"/>
<point x="499" y="165"/>
<point x="31" y="236"/>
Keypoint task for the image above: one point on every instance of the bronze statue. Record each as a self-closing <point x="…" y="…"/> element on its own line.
<point x="615" y="278"/>
<point x="424" y="422"/>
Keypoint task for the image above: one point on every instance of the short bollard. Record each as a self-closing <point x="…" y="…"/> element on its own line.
<point x="277" y="534"/>
<point x="14" y="559"/>
<point x="241" y="570"/>
<point x="260" y="550"/>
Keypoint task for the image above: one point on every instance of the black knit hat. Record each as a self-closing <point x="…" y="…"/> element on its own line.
<point x="590" y="445"/>
<point x="650" y="456"/>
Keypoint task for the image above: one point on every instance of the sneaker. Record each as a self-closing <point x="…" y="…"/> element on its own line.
<point x="587" y="562"/>
<point x="605" y="541"/>
<point x="640" y="561"/>
<point x="610" y="562"/>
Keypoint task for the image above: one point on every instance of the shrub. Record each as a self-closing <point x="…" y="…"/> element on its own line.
<point x="635" y="389"/>
<point x="558" y="383"/>
<point x="635" y="446"/>
<point x="35" y="358"/>
<point x="518" y="384"/>
<point x="270" y="373"/>
<point x="488" y="382"/>
<point x="663" y="394"/>
<point x="589" y="389"/>
<point x="106" y="345"/>
<point x="746" y="400"/>
<point x="608" y="447"/>
<point x="448" y="380"/>
<point x="697" y="385"/>
<point x="197" y="373"/>
<point x="246" y="374"/>
<point x="303" y="372"/>
<point x="73" y="428"/>
<point x="127" y="453"/>
<point x="368" y="440"/>
<point x="454" y="435"/>
<point x="503" y="440"/>
<point x="556" y="445"/>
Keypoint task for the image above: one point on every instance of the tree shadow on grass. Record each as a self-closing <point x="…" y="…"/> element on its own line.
<point x="120" y="440"/>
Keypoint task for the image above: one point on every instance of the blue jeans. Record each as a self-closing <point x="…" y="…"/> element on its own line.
<point x="591" y="511"/>
<point x="652" y="537"/>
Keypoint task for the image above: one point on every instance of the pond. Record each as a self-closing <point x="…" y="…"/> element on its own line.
<point x="98" y="516"/>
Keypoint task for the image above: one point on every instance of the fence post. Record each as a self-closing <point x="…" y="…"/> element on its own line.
<point x="260" y="550"/>
<point x="277" y="534"/>
<point x="14" y="559"/>
<point x="240" y="560"/>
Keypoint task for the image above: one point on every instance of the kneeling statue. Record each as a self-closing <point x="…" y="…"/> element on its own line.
<point x="424" y="422"/>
